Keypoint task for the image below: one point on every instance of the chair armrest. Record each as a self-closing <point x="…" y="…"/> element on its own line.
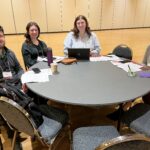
<point x="122" y="139"/>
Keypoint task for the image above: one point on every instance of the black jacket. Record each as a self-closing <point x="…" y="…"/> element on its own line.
<point x="9" y="62"/>
<point x="30" y="52"/>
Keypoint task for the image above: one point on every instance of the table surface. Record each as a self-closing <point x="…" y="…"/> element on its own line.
<point x="90" y="84"/>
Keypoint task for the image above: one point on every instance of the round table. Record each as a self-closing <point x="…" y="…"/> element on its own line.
<point x="90" y="84"/>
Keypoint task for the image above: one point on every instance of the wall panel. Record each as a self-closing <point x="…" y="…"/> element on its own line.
<point x="68" y="14"/>
<point x="119" y="12"/>
<point x="107" y="14"/>
<point x="21" y="14"/>
<point x="147" y="15"/>
<point x="140" y="13"/>
<point x="38" y="13"/>
<point x="82" y="7"/>
<point x="54" y="19"/>
<point x="6" y="16"/>
<point x="130" y="7"/>
<point x="95" y="14"/>
<point x="59" y="15"/>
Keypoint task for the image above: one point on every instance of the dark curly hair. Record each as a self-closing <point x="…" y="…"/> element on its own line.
<point x="1" y="29"/>
<point x="75" y="29"/>
<point x="27" y="36"/>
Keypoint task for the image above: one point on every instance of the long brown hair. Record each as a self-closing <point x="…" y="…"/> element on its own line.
<point x="1" y="29"/>
<point x="75" y="29"/>
<point x="27" y="36"/>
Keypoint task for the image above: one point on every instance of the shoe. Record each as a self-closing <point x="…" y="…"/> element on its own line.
<point x="18" y="145"/>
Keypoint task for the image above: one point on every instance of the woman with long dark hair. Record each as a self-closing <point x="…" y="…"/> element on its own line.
<point x="82" y="37"/>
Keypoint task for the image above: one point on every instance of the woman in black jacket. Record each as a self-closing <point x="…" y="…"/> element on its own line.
<point x="33" y="48"/>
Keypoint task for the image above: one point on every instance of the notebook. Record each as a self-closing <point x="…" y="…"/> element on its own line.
<point x="79" y="53"/>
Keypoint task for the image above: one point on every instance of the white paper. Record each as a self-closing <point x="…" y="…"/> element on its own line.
<point x="105" y="58"/>
<point x="30" y="76"/>
<point x="58" y="59"/>
<point x="39" y="59"/>
<point x="125" y="66"/>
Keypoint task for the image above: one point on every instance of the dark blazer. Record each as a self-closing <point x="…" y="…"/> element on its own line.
<point x="30" y="52"/>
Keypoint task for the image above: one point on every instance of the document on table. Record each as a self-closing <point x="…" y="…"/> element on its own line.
<point x="125" y="66"/>
<point x="58" y="59"/>
<point x="39" y="59"/>
<point x="55" y="59"/>
<point x="30" y="76"/>
<point x="105" y="58"/>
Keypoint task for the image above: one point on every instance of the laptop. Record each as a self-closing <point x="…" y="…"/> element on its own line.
<point x="79" y="53"/>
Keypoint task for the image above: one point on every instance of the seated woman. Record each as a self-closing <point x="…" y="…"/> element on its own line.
<point x="33" y="48"/>
<point x="82" y="37"/>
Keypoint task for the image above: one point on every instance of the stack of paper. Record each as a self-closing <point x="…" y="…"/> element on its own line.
<point x="125" y="66"/>
<point x="105" y="58"/>
<point x="30" y="76"/>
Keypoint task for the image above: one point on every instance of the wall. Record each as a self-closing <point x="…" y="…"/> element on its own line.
<point x="58" y="15"/>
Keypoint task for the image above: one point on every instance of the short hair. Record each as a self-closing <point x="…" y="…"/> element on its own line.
<point x="28" y="39"/>
<point x="1" y="29"/>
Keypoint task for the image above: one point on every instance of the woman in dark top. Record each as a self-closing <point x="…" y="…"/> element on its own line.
<point x="146" y="62"/>
<point x="33" y="48"/>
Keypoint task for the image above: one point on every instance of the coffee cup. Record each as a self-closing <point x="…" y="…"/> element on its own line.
<point x="54" y="68"/>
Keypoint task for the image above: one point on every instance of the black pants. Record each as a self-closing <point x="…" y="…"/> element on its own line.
<point x="37" y="99"/>
<point x="146" y="98"/>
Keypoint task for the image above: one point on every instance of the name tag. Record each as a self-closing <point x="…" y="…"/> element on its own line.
<point x="7" y="74"/>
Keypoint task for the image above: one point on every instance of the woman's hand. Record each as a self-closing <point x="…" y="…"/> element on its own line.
<point x="94" y="54"/>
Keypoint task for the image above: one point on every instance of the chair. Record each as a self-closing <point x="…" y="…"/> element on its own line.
<point x="20" y="121"/>
<point x="134" y="113"/>
<point x="126" y="142"/>
<point x="123" y="51"/>
<point x="106" y="137"/>
<point x="138" y="118"/>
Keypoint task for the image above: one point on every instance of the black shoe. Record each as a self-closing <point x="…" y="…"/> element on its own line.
<point x="18" y="145"/>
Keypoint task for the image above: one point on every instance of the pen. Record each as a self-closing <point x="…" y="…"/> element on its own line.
<point x="130" y="70"/>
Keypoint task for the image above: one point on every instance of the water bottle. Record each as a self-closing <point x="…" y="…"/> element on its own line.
<point x="49" y="56"/>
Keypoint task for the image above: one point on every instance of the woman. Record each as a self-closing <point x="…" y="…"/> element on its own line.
<point x="146" y="59"/>
<point x="33" y="48"/>
<point x="82" y="37"/>
<point x="146" y="62"/>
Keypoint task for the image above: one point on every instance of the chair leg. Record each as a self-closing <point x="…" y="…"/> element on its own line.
<point x="120" y="114"/>
<point x="14" y="140"/>
<point x="1" y="145"/>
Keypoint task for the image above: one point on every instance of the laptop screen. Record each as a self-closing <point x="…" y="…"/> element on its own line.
<point x="79" y="53"/>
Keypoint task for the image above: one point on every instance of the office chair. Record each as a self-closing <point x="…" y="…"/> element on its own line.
<point x="107" y="137"/>
<point x="123" y="51"/>
<point x="20" y="120"/>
